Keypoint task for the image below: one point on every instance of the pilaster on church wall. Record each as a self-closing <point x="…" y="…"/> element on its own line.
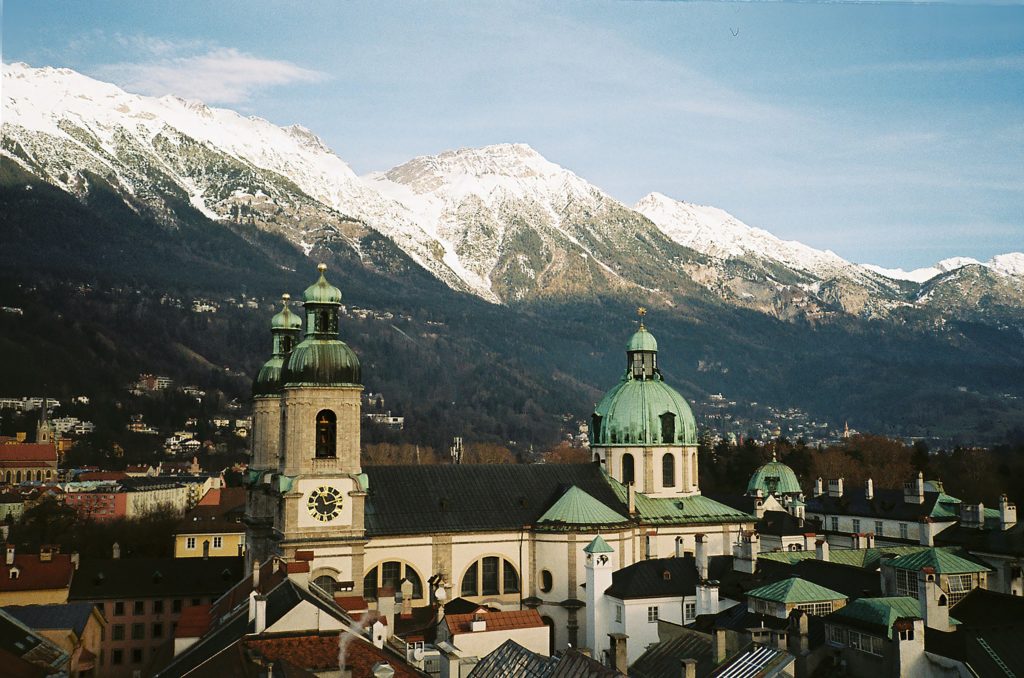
<point x="266" y="423"/>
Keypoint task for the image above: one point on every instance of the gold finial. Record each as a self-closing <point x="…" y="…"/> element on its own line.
<point x="321" y="267"/>
<point x="285" y="297"/>
<point x="641" y="312"/>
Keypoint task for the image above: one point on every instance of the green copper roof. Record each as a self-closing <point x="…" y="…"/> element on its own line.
<point x="795" y="590"/>
<point x="865" y="558"/>
<point x="598" y="545"/>
<point x="695" y="510"/>
<point x="631" y="414"/>
<point x="285" y="319"/>
<point x="943" y="561"/>
<point x="881" y="612"/>
<point x="642" y="340"/>
<point x="322" y="292"/>
<point x="322" y="362"/>
<point x="268" y="381"/>
<point x="774" y="478"/>
<point x="576" y="507"/>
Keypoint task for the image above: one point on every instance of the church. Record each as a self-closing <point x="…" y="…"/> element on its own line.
<point x="510" y="536"/>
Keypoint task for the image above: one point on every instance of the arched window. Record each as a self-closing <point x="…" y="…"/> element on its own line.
<point x="490" y="576"/>
<point x="391" y="574"/>
<point x="326" y="434"/>
<point x="327" y="583"/>
<point x="628" y="473"/>
<point x="668" y="428"/>
<point x="19" y="476"/>
<point x="668" y="470"/>
<point x="7" y="477"/>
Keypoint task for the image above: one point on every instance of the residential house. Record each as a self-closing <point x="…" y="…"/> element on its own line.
<point x="36" y="578"/>
<point x="76" y="628"/>
<point x="214" y="527"/>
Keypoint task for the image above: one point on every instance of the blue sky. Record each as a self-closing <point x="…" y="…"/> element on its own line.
<point x="889" y="133"/>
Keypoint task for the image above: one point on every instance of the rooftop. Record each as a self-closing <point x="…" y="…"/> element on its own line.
<point x="155" y="577"/>
<point x="943" y="561"/>
<point x="495" y="621"/>
<point x="35" y="574"/>
<point x="71" y="616"/>
<point x="877" y="614"/>
<point x="794" y="590"/>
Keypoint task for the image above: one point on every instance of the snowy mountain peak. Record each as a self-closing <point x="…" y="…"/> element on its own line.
<point x="1011" y="263"/>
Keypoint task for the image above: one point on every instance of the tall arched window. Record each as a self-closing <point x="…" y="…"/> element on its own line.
<point x="628" y="472"/>
<point x="668" y="428"/>
<point x="668" y="470"/>
<point x="595" y="425"/>
<point x="326" y="434"/>
<point x="390" y="574"/>
<point x="490" y="576"/>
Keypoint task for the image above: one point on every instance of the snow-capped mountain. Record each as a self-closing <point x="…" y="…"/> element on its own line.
<point x="501" y="222"/>
<point x="1011" y="263"/>
<point x="513" y="221"/>
<point x="65" y="127"/>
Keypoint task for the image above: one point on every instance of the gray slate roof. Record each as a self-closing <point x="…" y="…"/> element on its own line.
<point x="154" y="578"/>
<point x="467" y="498"/>
<point x="72" y="616"/>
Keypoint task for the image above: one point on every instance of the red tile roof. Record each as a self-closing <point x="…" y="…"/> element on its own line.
<point x="496" y="621"/>
<point x="29" y="452"/>
<point x="298" y="567"/>
<point x="36" y="575"/>
<point x="193" y="622"/>
<point x="352" y="603"/>
<point x="304" y="555"/>
<point x="320" y="652"/>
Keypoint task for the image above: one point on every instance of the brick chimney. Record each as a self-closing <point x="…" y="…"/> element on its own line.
<point x="620" y="660"/>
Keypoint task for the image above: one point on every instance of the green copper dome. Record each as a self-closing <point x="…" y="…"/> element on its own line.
<point x="322" y="359"/>
<point x="642" y="340"/>
<point x="322" y="362"/>
<point x="285" y="319"/>
<point x="285" y="327"/>
<point x="642" y="409"/>
<point x="322" y="292"/>
<point x="774" y="478"/>
<point x="268" y="381"/>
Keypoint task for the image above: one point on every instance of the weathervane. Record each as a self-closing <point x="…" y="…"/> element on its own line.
<point x="641" y="312"/>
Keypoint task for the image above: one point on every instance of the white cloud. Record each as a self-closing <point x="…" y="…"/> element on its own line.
<point x="219" y="75"/>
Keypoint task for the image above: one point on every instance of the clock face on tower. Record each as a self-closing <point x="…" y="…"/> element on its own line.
<point x="324" y="503"/>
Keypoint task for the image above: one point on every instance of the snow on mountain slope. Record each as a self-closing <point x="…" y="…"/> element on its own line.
<point x="1011" y="263"/>
<point x="64" y="123"/>
<point x="524" y="225"/>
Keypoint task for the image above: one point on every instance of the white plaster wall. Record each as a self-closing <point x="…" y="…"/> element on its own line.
<point x="482" y="643"/>
<point x="305" y="617"/>
<point x="642" y="633"/>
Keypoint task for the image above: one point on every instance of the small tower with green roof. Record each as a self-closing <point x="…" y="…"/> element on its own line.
<point x="643" y="430"/>
<point x="599" y="565"/>
<point x="267" y="387"/>
<point x="322" y="505"/>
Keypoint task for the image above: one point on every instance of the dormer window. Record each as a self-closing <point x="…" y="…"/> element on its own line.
<point x="15" y="573"/>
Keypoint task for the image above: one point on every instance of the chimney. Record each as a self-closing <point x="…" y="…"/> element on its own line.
<point x="799" y="633"/>
<point x="252" y="606"/>
<point x="701" y="556"/>
<point x="478" y="624"/>
<point x="45" y="554"/>
<point x="386" y="605"/>
<point x="926" y="532"/>
<point x="10" y="555"/>
<point x="620" y="660"/>
<point x="707" y="598"/>
<point x="869" y="489"/>
<point x="260" y="621"/>
<point x="1007" y="513"/>
<point x="973" y="515"/>
<point x="255" y="573"/>
<point x="744" y="553"/>
<point x="933" y="601"/>
<point x="380" y="633"/>
<point x="406" y="598"/>
<point x="821" y="550"/>
<point x="679" y="547"/>
<point x="719" y="651"/>
<point x="913" y="491"/>
<point x="835" y="487"/>
<point x="631" y="499"/>
<point x="809" y="539"/>
<point x="689" y="668"/>
<point x="116" y="551"/>
<point x="75" y="559"/>
<point x="819" y="488"/>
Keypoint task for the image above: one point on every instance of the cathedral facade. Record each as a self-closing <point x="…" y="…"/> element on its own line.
<point x="509" y="536"/>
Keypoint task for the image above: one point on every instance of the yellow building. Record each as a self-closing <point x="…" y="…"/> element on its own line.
<point x="214" y="528"/>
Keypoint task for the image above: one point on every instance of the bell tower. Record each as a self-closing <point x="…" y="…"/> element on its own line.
<point x="319" y="478"/>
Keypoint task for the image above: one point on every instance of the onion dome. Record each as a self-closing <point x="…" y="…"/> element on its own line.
<point x="773" y="478"/>
<point x="642" y="409"/>
<point x="322" y="292"/>
<point x="322" y="359"/>
<point x="285" y="319"/>
<point x="285" y="327"/>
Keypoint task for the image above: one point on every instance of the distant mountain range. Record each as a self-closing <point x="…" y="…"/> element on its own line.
<point x="499" y="223"/>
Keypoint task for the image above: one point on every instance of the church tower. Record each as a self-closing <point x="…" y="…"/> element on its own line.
<point x="261" y="504"/>
<point x="643" y="430"/>
<point x="319" y="479"/>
